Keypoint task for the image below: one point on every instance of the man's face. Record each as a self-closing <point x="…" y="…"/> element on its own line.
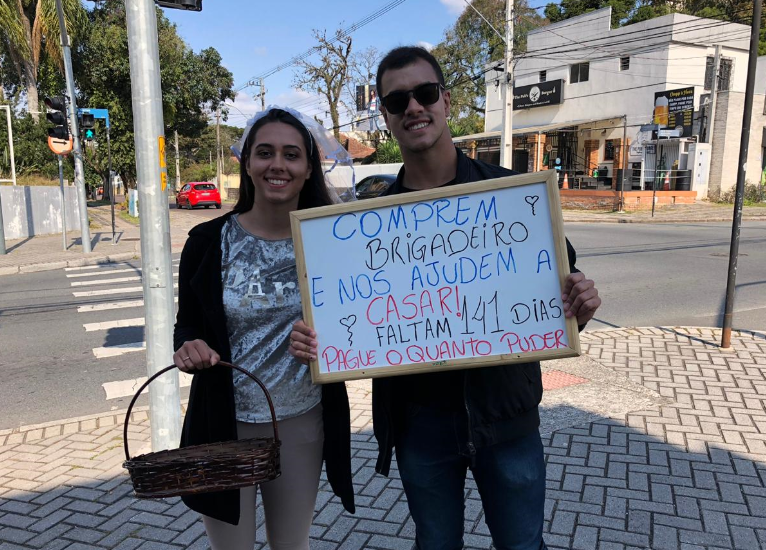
<point x="419" y="127"/>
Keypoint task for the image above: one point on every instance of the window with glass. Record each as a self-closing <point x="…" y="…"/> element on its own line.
<point x="579" y="72"/>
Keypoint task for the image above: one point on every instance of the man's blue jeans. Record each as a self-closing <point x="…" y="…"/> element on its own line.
<point x="433" y="458"/>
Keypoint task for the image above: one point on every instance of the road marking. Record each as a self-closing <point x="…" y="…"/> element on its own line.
<point x="111" y="271"/>
<point x="121" y="349"/>
<point x="106" y="267"/>
<point x="106" y="291"/>
<point x="114" y="305"/>
<point x="106" y="281"/>
<point x="106" y="325"/>
<point x="128" y="388"/>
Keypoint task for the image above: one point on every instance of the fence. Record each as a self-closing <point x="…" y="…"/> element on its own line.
<point x="36" y="210"/>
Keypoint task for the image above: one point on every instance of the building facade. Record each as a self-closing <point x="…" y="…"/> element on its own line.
<point x="585" y="95"/>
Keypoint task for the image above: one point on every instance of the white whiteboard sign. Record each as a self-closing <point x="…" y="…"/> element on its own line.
<point x="455" y="277"/>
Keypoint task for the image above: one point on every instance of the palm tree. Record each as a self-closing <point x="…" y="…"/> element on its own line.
<point x="29" y="26"/>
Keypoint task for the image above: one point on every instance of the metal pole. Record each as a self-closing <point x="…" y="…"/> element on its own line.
<point x="743" y="149"/>
<point x="13" y="173"/>
<point x="79" y="170"/>
<point x="178" y="164"/>
<point x="656" y="169"/>
<point x="63" y="201"/>
<point x="263" y="96"/>
<point x="218" y="147"/>
<point x="624" y="161"/>
<point x="111" y="184"/>
<point x="164" y="396"/>
<point x="506" y="136"/>
<point x="10" y="141"/>
<point x="713" y="95"/>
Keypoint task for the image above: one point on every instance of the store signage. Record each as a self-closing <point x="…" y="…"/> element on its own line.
<point x="537" y="95"/>
<point x="674" y="109"/>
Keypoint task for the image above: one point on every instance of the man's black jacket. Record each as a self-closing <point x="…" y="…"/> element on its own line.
<point x="211" y="416"/>
<point x="501" y="401"/>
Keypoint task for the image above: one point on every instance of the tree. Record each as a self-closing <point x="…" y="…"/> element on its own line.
<point x="29" y="27"/>
<point x="192" y="85"/>
<point x="470" y="45"/>
<point x="329" y="75"/>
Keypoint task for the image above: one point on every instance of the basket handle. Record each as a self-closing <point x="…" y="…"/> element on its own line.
<point x="171" y="367"/>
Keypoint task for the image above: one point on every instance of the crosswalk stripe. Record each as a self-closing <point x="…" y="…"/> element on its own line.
<point x="120" y="349"/>
<point x="127" y="388"/>
<point x="114" y="305"/>
<point x="106" y="267"/>
<point x="120" y="323"/>
<point x="111" y="272"/>
<point x="107" y="291"/>
<point x="106" y="281"/>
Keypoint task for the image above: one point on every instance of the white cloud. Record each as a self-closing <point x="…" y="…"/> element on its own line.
<point x="261" y="52"/>
<point x="426" y="45"/>
<point x="455" y="7"/>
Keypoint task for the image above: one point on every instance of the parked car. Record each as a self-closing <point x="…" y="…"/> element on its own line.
<point x="198" y="194"/>
<point x="371" y="186"/>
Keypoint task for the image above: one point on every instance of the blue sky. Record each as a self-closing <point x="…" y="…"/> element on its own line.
<point x="253" y="36"/>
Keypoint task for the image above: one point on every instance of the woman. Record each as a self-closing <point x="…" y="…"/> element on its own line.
<point x="237" y="301"/>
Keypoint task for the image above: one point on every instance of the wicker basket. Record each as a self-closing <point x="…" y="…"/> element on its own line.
<point x="204" y="468"/>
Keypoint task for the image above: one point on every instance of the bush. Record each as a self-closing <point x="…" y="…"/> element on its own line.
<point x="754" y="194"/>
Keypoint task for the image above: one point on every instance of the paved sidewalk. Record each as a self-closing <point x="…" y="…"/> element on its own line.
<point x="655" y="438"/>
<point x="46" y="252"/>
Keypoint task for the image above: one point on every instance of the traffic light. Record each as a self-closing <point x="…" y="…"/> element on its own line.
<point x="88" y="123"/>
<point x="57" y="117"/>
<point x="192" y="5"/>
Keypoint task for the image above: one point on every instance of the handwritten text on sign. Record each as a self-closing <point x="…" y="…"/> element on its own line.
<point x="432" y="281"/>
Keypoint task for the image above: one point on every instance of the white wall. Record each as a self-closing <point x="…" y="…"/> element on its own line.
<point x="658" y="61"/>
<point x="36" y="210"/>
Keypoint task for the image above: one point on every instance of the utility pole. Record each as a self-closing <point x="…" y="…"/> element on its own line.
<point x="79" y="170"/>
<point x="178" y="163"/>
<point x="713" y="94"/>
<point x="111" y="185"/>
<point x="63" y="200"/>
<point x="741" y="166"/>
<point x="218" y="147"/>
<point x="263" y="95"/>
<point x="506" y="135"/>
<point x="164" y="395"/>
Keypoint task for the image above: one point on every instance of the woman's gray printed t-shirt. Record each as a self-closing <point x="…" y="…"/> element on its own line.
<point x="262" y="301"/>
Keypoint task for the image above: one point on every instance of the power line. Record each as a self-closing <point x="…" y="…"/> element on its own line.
<point x="342" y="34"/>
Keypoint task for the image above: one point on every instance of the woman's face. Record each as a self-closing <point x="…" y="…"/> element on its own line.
<point x="278" y="164"/>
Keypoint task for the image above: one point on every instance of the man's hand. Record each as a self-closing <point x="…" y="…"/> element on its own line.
<point x="303" y="344"/>
<point x="580" y="298"/>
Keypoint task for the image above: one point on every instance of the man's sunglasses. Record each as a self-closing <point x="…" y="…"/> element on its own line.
<point x="425" y="94"/>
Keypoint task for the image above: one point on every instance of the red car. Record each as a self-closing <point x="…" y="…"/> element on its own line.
<point x="198" y="194"/>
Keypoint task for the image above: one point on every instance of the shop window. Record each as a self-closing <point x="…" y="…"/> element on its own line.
<point x="609" y="149"/>
<point x="543" y="76"/>
<point x="624" y="63"/>
<point x="579" y="72"/>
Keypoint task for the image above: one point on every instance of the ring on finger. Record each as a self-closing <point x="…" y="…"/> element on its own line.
<point x="185" y="358"/>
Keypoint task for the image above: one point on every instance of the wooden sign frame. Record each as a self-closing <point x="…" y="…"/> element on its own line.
<point x="548" y="177"/>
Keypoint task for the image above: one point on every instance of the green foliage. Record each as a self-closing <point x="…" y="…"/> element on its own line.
<point x="755" y="194"/>
<point x="388" y="152"/>
<point x="198" y="172"/>
<point x="469" y="45"/>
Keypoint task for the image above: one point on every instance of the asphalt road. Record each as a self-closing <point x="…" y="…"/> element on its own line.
<point x="59" y="349"/>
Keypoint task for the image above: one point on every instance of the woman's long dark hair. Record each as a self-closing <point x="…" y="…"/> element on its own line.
<point x="314" y="192"/>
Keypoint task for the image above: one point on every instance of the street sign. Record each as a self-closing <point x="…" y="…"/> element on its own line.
<point x="676" y="132"/>
<point x="60" y="146"/>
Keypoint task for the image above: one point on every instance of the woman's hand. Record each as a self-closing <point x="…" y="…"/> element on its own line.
<point x="303" y="344"/>
<point x="195" y="355"/>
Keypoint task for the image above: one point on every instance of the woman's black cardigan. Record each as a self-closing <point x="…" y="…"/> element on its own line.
<point x="210" y="416"/>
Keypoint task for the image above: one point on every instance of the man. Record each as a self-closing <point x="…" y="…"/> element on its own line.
<point x="485" y="419"/>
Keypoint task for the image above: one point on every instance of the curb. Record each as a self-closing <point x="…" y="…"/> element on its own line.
<point x="79" y="262"/>
<point x="661" y="220"/>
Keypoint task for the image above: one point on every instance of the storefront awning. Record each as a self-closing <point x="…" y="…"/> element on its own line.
<point x="535" y="129"/>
